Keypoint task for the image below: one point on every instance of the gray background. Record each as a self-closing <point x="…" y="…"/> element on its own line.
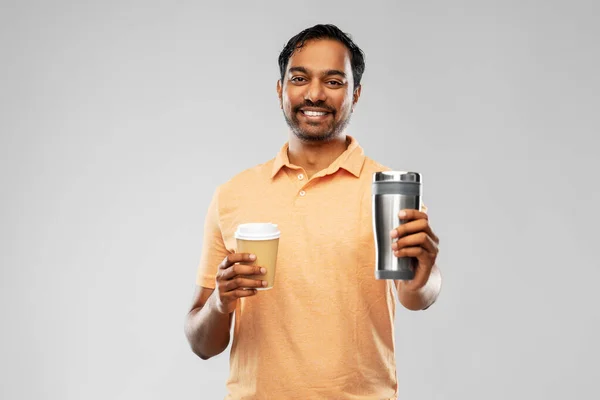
<point x="119" y="118"/>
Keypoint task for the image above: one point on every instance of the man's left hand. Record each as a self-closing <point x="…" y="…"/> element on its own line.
<point x="416" y="239"/>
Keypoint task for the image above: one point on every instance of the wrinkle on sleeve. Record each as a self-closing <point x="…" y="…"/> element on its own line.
<point x="213" y="246"/>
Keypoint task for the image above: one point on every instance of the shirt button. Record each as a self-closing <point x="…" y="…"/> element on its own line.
<point x="301" y="176"/>
<point x="302" y="193"/>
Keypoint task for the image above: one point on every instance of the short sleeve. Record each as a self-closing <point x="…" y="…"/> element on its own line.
<point x="213" y="246"/>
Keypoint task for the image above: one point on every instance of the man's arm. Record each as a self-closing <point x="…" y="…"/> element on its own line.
<point x="207" y="329"/>
<point x="208" y="324"/>
<point x="424" y="297"/>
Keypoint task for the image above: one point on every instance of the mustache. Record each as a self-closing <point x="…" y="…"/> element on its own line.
<point x="318" y="104"/>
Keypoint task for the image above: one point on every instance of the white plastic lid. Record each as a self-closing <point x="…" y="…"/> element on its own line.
<point x="257" y="231"/>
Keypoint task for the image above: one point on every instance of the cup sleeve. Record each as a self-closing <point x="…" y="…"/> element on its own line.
<point x="213" y="246"/>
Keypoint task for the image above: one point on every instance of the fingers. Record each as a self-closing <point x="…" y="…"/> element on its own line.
<point x="232" y="277"/>
<point x="416" y="239"/>
<point x="229" y="267"/>
<point x="410" y="214"/>
<point x="241" y="282"/>
<point x="240" y="269"/>
<point x="419" y="240"/>
<point x="231" y="284"/>
<point x="239" y="293"/>
<point x="415" y="226"/>
<point x="236" y="258"/>
<point x="416" y="252"/>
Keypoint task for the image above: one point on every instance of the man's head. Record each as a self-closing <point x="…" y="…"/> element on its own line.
<point x="321" y="69"/>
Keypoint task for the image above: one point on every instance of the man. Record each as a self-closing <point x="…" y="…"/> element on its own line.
<point x="325" y="330"/>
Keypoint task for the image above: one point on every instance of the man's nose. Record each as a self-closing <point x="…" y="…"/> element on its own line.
<point x="315" y="92"/>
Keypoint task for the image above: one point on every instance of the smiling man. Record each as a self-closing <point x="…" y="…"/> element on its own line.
<point x="326" y="328"/>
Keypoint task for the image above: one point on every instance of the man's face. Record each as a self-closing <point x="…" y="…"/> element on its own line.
<point x="317" y="95"/>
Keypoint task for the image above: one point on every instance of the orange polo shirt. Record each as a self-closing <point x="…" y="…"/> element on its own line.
<point x="326" y="328"/>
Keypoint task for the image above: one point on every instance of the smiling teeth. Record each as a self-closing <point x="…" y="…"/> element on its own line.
<point x="314" y="113"/>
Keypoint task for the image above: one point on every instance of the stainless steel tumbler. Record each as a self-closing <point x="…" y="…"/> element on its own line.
<point x="393" y="191"/>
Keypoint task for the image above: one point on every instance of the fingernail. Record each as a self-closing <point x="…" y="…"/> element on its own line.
<point x="264" y="283"/>
<point x="394" y="246"/>
<point x="252" y="257"/>
<point x="393" y="233"/>
<point x="402" y="214"/>
<point x="263" y="271"/>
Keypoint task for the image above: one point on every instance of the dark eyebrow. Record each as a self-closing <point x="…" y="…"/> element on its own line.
<point x="334" y="72"/>
<point x="329" y="72"/>
<point x="299" y="69"/>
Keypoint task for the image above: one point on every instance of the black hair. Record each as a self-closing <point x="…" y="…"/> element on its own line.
<point x="327" y="31"/>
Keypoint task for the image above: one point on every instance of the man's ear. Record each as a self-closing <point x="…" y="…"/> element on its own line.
<point x="280" y="93"/>
<point x="356" y="96"/>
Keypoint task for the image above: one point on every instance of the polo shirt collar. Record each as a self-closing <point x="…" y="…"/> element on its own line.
<point x="352" y="159"/>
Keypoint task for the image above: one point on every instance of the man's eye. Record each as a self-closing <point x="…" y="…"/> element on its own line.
<point x="297" y="79"/>
<point x="335" y="83"/>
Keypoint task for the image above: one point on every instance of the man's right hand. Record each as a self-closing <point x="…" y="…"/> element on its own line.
<point x="232" y="281"/>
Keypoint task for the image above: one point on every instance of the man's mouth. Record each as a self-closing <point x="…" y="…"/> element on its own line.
<point x="314" y="113"/>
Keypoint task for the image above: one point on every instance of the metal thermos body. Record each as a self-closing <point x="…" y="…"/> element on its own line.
<point x="393" y="191"/>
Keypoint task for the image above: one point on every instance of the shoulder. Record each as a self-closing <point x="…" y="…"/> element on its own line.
<point x="372" y="166"/>
<point x="249" y="178"/>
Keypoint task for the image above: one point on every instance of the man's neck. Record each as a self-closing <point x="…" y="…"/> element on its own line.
<point x="314" y="157"/>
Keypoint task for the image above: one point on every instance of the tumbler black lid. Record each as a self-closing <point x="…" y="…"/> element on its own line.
<point x="397" y="176"/>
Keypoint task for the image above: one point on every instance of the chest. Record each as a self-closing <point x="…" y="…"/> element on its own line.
<point x="326" y="228"/>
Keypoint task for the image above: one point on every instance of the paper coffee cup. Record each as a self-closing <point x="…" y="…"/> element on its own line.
<point x="262" y="240"/>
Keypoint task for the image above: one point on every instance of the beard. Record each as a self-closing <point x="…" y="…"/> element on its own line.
<point x="331" y="131"/>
